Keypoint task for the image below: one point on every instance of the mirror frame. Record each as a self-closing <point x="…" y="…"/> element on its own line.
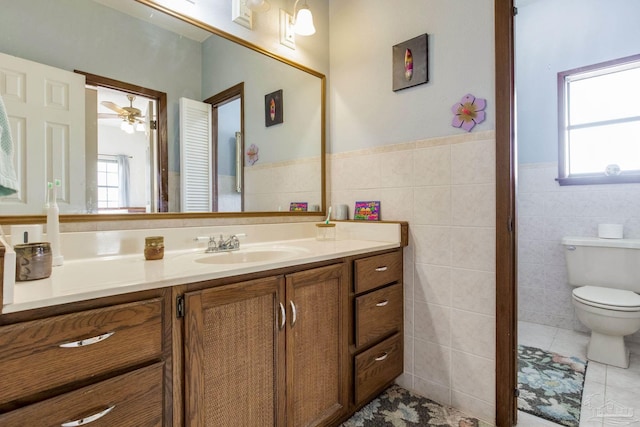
<point x="70" y="218"/>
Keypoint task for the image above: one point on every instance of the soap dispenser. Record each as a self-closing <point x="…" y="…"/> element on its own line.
<point x="53" y="223"/>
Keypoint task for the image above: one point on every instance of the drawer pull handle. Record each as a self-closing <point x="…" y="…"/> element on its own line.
<point x="382" y="357"/>
<point x="89" y="419"/>
<point x="283" y="316"/>
<point x="381" y="269"/>
<point x="88" y="341"/>
<point x="382" y="303"/>
<point x="294" y="313"/>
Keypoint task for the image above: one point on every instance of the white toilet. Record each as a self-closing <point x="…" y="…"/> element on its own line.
<point x="606" y="273"/>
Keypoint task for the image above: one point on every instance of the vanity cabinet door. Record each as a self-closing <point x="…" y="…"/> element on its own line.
<point x="234" y="351"/>
<point x="317" y="340"/>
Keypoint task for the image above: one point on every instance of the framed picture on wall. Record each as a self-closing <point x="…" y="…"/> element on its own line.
<point x="273" y="108"/>
<point x="411" y="63"/>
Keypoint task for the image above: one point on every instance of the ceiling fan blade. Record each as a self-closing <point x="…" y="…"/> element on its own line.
<point x="114" y="107"/>
<point x="109" y="116"/>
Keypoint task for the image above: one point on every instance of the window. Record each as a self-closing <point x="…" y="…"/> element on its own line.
<point x="108" y="184"/>
<point x="599" y="123"/>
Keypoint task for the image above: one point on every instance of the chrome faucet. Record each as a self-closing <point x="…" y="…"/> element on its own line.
<point x="231" y="243"/>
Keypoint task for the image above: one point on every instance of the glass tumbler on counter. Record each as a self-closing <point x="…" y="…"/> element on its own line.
<point x="325" y="231"/>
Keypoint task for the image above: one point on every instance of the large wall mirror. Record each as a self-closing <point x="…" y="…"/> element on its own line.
<point x="114" y="99"/>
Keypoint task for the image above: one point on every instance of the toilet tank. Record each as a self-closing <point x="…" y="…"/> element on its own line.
<point x="609" y="263"/>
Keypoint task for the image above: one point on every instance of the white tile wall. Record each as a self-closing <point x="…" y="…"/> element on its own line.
<point x="272" y="187"/>
<point x="546" y="213"/>
<point x="445" y="189"/>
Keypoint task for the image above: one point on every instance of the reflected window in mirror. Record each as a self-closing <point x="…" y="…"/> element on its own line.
<point x="599" y="123"/>
<point x="108" y="184"/>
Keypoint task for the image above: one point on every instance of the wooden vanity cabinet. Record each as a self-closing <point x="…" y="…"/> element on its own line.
<point x="294" y="347"/>
<point x="268" y="352"/>
<point x="377" y="347"/>
<point x="104" y="364"/>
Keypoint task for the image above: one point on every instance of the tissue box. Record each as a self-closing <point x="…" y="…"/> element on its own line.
<point x="610" y="231"/>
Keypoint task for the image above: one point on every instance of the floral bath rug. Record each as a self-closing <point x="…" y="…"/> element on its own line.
<point x="398" y="407"/>
<point x="550" y="385"/>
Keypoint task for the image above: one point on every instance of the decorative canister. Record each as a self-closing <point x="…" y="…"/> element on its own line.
<point x="154" y="247"/>
<point x="33" y="261"/>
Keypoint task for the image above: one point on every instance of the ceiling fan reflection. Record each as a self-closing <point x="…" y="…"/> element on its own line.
<point x="132" y="118"/>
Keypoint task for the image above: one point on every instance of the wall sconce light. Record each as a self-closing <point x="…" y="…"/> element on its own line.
<point x="258" y="5"/>
<point x="300" y="23"/>
<point x="303" y="21"/>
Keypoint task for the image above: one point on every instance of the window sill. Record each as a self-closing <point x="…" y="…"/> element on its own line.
<point x="596" y="180"/>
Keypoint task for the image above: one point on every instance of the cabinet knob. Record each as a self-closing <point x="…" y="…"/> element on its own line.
<point x="382" y="303"/>
<point x="87" y="341"/>
<point x="381" y="269"/>
<point x="89" y="419"/>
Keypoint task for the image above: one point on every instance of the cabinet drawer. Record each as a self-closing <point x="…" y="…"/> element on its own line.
<point x="378" y="366"/>
<point x="377" y="270"/>
<point x="133" y="399"/>
<point x="378" y="314"/>
<point x="44" y="354"/>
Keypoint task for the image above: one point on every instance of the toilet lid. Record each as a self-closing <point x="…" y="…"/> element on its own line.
<point x="616" y="299"/>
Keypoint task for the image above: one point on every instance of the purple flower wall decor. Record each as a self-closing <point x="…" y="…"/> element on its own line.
<point x="468" y="112"/>
<point x="252" y="154"/>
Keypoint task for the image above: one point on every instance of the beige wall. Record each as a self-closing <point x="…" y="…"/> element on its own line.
<point x="400" y="148"/>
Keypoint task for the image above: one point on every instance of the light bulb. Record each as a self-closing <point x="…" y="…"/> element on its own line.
<point x="258" y="5"/>
<point x="304" y="22"/>
<point x="127" y="127"/>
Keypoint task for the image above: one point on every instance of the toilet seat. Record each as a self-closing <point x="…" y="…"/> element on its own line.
<point x="608" y="298"/>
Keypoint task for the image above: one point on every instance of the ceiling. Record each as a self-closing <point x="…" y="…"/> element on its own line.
<point x="145" y="13"/>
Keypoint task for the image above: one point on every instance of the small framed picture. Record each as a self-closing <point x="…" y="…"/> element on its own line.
<point x="298" y="207"/>
<point x="273" y="113"/>
<point x="411" y="62"/>
<point x="368" y="211"/>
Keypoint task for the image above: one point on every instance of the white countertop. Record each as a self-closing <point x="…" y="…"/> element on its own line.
<point x="100" y="276"/>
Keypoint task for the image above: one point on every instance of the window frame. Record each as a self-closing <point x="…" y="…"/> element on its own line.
<point x="103" y="160"/>
<point x="563" y="171"/>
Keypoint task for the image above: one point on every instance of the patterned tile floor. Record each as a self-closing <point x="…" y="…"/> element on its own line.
<point x="398" y="407"/>
<point x="607" y="389"/>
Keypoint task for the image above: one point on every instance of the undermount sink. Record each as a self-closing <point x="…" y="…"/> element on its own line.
<point x="249" y="255"/>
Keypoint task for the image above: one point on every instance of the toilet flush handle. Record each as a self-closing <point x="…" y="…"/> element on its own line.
<point x="571" y="248"/>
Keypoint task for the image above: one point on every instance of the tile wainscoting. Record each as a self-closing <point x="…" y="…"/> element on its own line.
<point x="445" y="188"/>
